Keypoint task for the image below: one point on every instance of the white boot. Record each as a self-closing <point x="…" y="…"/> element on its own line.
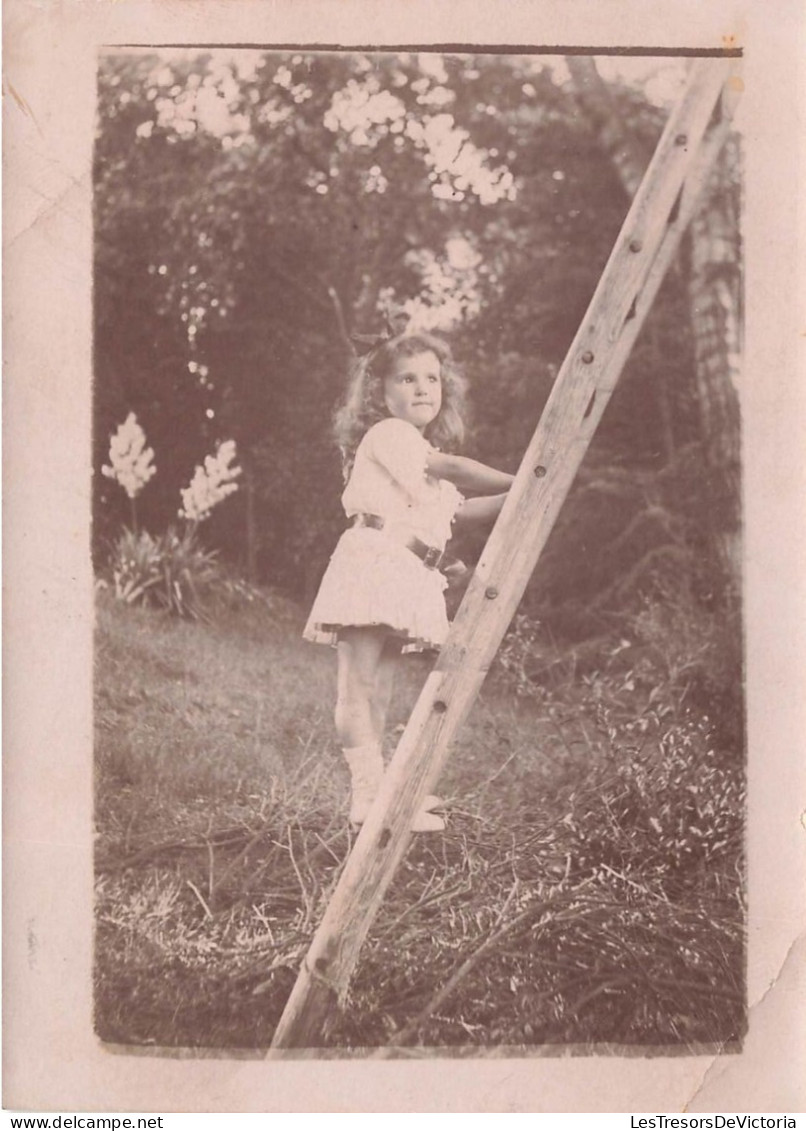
<point x="427" y="822"/>
<point x="366" y="771"/>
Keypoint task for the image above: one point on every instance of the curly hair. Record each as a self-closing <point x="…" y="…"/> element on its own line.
<point x="364" y="404"/>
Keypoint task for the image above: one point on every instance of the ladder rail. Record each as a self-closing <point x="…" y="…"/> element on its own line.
<point x="643" y="251"/>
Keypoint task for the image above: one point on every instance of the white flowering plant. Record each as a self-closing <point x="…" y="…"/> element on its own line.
<point x="171" y="570"/>
<point x="211" y="484"/>
<point x="131" y="463"/>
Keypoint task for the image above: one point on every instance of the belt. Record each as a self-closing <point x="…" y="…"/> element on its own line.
<point x="431" y="556"/>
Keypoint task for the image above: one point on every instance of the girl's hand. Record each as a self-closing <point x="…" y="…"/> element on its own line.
<point x="458" y="576"/>
<point x="456" y="572"/>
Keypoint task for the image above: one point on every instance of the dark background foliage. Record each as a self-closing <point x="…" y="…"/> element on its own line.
<point x="234" y="261"/>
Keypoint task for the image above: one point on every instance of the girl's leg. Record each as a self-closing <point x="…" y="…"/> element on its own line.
<point x="360" y="651"/>
<point x="384" y="684"/>
<point x="367" y="661"/>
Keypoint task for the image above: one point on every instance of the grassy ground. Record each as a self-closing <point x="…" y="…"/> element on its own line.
<point x="588" y="889"/>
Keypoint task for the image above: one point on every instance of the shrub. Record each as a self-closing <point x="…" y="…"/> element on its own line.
<point x="521" y="655"/>
<point x="189" y="572"/>
<point x="135" y="564"/>
<point x="172" y="571"/>
<point x="697" y="653"/>
<point x="686" y="655"/>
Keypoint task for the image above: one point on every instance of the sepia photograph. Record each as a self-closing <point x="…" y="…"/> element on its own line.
<point x="335" y="295"/>
<point x="403" y="455"/>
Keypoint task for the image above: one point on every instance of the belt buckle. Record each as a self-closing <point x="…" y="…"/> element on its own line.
<point x="432" y="557"/>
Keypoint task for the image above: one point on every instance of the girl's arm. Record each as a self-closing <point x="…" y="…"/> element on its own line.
<point x="485" y="508"/>
<point x="468" y="474"/>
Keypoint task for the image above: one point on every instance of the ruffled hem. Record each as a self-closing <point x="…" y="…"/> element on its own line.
<point x="329" y="634"/>
<point x="372" y="580"/>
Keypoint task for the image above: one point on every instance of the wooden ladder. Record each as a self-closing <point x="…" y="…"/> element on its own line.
<point x="646" y="246"/>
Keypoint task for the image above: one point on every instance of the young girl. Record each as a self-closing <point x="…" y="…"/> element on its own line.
<point x="383" y="592"/>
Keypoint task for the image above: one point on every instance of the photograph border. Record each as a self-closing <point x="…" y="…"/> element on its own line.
<point x="49" y="119"/>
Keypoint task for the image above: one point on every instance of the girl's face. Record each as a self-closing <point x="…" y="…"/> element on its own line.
<point x="413" y="389"/>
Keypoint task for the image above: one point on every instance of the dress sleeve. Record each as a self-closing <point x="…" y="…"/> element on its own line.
<point x="402" y="452"/>
<point x="451" y="498"/>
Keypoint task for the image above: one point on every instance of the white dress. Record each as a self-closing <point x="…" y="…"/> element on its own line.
<point x="372" y="577"/>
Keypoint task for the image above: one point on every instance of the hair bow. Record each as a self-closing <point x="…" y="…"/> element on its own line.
<point x="371" y="340"/>
<point x="396" y="323"/>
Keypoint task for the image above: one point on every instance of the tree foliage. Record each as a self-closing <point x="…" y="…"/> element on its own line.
<point x="254" y="210"/>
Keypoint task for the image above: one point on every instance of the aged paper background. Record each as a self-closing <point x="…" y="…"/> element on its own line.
<point x="52" y="1059"/>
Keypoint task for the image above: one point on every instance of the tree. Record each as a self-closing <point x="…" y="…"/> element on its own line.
<point x="711" y="274"/>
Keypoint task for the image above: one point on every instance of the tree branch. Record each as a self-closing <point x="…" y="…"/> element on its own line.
<point x="597" y="103"/>
<point x="340" y="319"/>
